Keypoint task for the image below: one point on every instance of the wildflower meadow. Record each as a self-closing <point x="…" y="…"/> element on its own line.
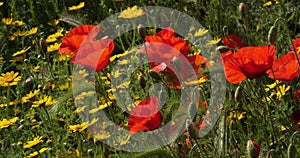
<point x="150" y="78"/>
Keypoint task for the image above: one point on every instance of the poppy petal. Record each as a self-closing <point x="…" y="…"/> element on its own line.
<point x="285" y="68"/>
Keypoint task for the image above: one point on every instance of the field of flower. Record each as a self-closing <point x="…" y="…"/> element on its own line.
<point x="118" y="78"/>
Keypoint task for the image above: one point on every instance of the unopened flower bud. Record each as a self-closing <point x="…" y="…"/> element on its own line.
<point x="142" y="31"/>
<point x="192" y="110"/>
<point x="43" y="45"/>
<point x="237" y="94"/>
<point x="154" y="74"/>
<point x="142" y="81"/>
<point x="177" y="63"/>
<point x="291" y="152"/>
<point x="191" y="129"/>
<point x="253" y="149"/>
<point x="222" y="49"/>
<point x="272" y="35"/>
<point x="243" y="9"/>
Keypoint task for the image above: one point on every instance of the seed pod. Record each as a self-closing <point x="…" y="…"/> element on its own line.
<point x="237" y="94"/>
<point x="243" y="9"/>
<point x="191" y="129"/>
<point x="222" y="49"/>
<point x="43" y="45"/>
<point x="253" y="149"/>
<point x="154" y="74"/>
<point x="142" y="31"/>
<point x="272" y="35"/>
<point x="225" y="30"/>
<point x="192" y="110"/>
<point x="142" y="81"/>
<point x="291" y="152"/>
<point x="177" y="63"/>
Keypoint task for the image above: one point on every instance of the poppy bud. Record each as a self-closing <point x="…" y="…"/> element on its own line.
<point x="253" y="149"/>
<point x="237" y="94"/>
<point x="142" y="31"/>
<point x="191" y="129"/>
<point x="272" y="35"/>
<point x="142" y="81"/>
<point x="154" y="74"/>
<point x="177" y="63"/>
<point x="296" y="115"/>
<point x="192" y="110"/>
<point x="222" y="49"/>
<point x="243" y="9"/>
<point x="195" y="95"/>
<point x="291" y="152"/>
<point x="225" y="30"/>
<point x="43" y="45"/>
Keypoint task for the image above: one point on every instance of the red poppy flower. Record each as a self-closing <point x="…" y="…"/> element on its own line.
<point x="249" y="62"/>
<point x="296" y="44"/>
<point x="164" y="46"/>
<point x="285" y="68"/>
<point x="296" y="115"/>
<point x="296" y="95"/>
<point x="233" y="41"/>
<point x="192" y="66"/>
<point x="87" y="51"/>
<point x="145" y="116"/>
<point x="95" y="54"/>
<point x="255" y="152"/>
<point x="72" y="41"/>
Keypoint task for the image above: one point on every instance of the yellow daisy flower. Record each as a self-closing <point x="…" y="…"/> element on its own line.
<point x="7" y="21"/>
<point x="5" y="123"/>
<point x="10" y="79"/>
<point x="1" y="3"/>
<point x="18" y="23"/>
<point x="54" y="22"/>
<point x="78" y="127"/>
<point x="21" y="51"/>
<point x="32" y="155"/>
<point x="30" y="95"/>
<point x="133" y="12"/>
<point x="47" y="100"/>
<point x="269" y="3"/>
<point x="53" y="37"/>
<point x="200" y="32"/>
<point x="53" y="47"/>
<point x="32" y="31"/>
<point x="214" y="41"/>
<point x="77" y="7"/>
<point x="12" y="38"/>
<point x="19" y="33"/>
<point x="35" y="141"/>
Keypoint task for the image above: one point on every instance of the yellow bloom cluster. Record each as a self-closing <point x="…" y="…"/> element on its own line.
<point x="269" y="3"/>
<point x="29" y="96"/>
<point x="5" y="123"/>
<point x="214" y="41"/>
<point x="78" y="127"/>
<point x="9" y="21"/>
<point x="9" y="79"/>
<point x="35" y="141"/>
<point x="79" y="6"/>
<point x="132" y="12"/>
<point x="47" y="100"/>
<point x="21" y="51"/>
<point x="34" y="154"/>
<point x="53" y="47"/>
<point x="200" y="32"/>
<point x="53" y="37"/>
